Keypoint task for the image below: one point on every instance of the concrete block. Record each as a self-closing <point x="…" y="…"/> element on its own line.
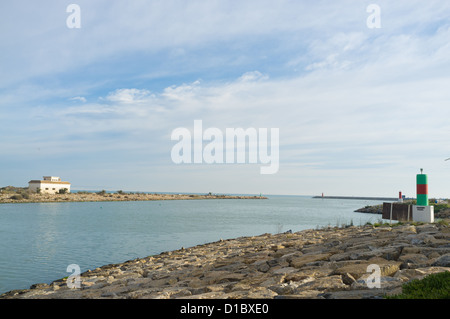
<point x="423" y="214"/>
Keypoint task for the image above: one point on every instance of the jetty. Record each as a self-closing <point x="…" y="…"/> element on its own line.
<point x="27" y="197"/>
<point x="358" y="198"/>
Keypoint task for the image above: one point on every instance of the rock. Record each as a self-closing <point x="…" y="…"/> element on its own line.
<point x="284" y="289"/>
<point x="443" y="261"/>
<point x="260" y="293"/>
<point x="299" y="262"/>
<point x="355" y="294"/>
<point x="180" y="293"/>
<point x="414" y="261"/>
<point x="276" y="247"/>
<point x="307" y="294"/>
<point x="348" y="279"/>
<point x="357" y="270"/>
<point x="418" y="273"/>
<point x="285" y="270"/>
<point x="219" y="277"/>
<point x="39" y="286"/>
<point x="272" y="280"/>
<point x="376" y="209"/>
<point x="262" y="266"/>
<point x="405" y="229"/>
<point x="427" y="228"/>
<point x="328" y="283"/>
<point x="207" y="295"/>
<point x="341" y="256"/>
<point x="386" y="282"/>
<point x="389" y="253"/>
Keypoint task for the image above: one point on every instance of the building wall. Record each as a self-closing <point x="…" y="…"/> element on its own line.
<point x="52" y="178"/>
<point x="48" y="188"/>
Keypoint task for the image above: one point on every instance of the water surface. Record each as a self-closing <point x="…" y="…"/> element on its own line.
<point x="39" y="240"/>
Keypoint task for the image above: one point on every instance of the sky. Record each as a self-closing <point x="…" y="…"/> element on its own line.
<point x="359" y="109"/>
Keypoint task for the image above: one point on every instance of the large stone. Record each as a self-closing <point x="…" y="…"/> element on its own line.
<point x="348" y="279"/>
<point x="285" y="288"/>
<point x="262" y="265"/>
<point x="306" y="294"/>
<point x="355" y="294"/>
<point x="341" y="256"/>
<point x="443" y="261"/>
<point x="418" y="273"/>
<point x="301" y="261"/>
<point x="328" y="283"/>
<point x="285" y="270"/>
<point x="218" y="277"/>
<point x="356" y="270"/>
<point x="386" y="282"/>
<point x="389" y="253"/>
<point x="414" y="260"/>
<point x="260" y="293"/>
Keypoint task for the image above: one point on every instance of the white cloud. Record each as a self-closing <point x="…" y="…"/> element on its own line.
<point x="253" y="76"/>
<point x="78" y="98"/>
<point x="128" y="96"/>
<point x="182" y="92"/>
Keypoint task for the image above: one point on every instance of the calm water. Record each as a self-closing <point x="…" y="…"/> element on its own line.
<point x="39" y="241"/>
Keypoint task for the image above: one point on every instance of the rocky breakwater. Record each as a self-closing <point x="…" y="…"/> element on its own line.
<point x="324" y="263"/>
<point x="375" y="209"/>
<point x="26" y="197"/>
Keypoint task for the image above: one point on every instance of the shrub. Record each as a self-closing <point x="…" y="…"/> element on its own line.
<point x="17" y="197"/>
<point x="434" y="286"/>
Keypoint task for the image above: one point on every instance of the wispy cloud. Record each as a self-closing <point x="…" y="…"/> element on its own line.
<point x="128" y="96"/>
<point x="78" y="98"/>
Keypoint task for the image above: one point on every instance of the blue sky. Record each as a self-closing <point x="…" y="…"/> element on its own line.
<point x="359" y="110"/>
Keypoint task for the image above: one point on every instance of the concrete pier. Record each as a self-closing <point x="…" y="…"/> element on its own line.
<point x="358" y="198"/>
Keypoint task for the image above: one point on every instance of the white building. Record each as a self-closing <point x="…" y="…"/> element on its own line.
<point x="49" y="185"/>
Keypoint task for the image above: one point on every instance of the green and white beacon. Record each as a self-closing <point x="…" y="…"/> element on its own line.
<point x="422" y="212"/>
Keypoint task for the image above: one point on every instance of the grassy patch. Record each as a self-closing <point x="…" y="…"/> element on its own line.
<point x="443" y="222"/>
<point x="439" y="207"/>
<point x="434" y="286"/>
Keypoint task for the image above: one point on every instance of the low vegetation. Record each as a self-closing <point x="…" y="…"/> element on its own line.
<point x="434" y="286"/>
<point x="13" y="190"/>
<point x="17" y="193"/>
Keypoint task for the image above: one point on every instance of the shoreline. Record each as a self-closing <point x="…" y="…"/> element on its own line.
<point x="109" y="197"/>
<point x="329" y="263"/>
<point x="440" y="213"/>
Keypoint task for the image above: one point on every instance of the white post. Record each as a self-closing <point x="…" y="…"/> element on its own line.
<point x="390" y="217"/>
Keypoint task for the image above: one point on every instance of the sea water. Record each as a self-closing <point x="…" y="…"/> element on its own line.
<point x="38" y="241"/>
